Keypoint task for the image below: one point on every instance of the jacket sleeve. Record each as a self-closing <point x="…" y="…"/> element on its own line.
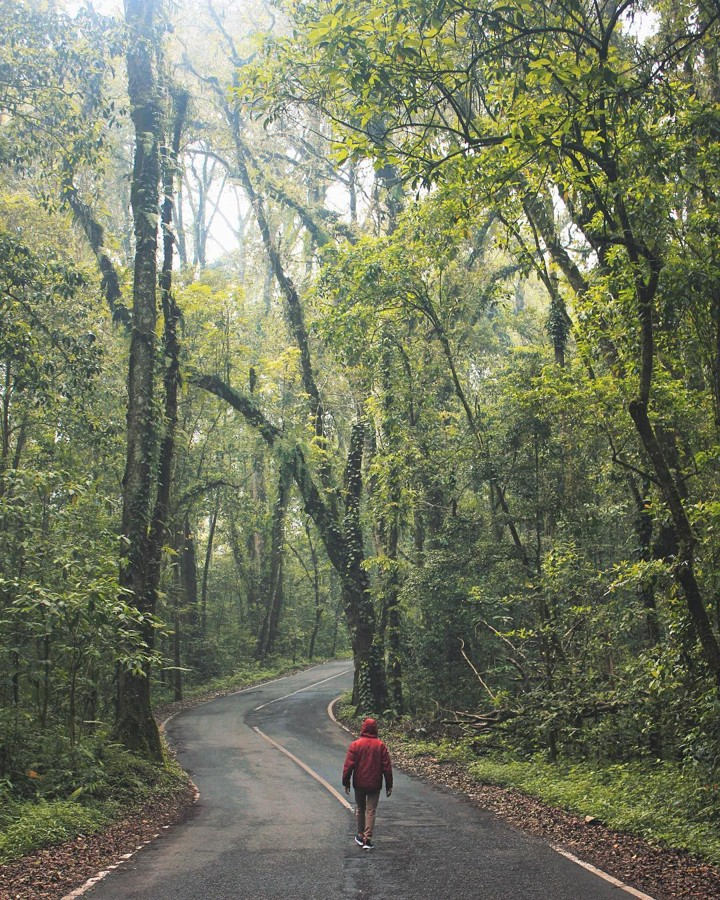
<point x="349" y="766"/>
<point x="387" y="768"/>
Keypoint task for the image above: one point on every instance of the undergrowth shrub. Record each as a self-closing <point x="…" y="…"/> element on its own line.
<point x="41" y="823"/>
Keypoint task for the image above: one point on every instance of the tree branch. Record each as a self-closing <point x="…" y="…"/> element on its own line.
<point x="95" y="234"/>
<point x="241" y="402"/>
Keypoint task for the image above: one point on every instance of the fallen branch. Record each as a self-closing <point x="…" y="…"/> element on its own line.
<point x="477" y="674"/>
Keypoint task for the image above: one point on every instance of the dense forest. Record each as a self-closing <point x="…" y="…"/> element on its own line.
<point x="387" y="328"/>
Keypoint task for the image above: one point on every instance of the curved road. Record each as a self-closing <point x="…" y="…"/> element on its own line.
<point x="266" y="828"/>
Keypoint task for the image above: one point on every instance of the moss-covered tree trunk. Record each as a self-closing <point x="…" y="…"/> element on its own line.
<point x="135" y="726"/>
<point x="370" y="689"/>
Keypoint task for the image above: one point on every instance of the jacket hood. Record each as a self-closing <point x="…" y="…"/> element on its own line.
<point x="369" y="728"/>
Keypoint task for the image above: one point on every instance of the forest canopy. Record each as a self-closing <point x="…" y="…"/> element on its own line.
<point x="383" y="328"/>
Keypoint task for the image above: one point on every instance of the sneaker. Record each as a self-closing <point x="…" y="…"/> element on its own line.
<point x="368" y="845"/>
<point x="359" y="840"/>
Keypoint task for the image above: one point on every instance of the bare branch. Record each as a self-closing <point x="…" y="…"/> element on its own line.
<point x="477" y="674"/>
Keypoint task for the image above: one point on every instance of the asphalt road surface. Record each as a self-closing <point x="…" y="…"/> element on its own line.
<point x="266" y="827"/>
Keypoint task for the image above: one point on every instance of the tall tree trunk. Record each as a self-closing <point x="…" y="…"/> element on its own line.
<point x="316" y="592"/>
<point x="369" y="689"/>
<point x="274" y="582"/>
<point x="177" y="597"/>
<point x="643" y="526"/>
<point x="241" y="568"/>
<point x="337" y="612"/>
<point x="256" y="536"/>
<point x="179" y="222"/>
<point x="188" y="570"/>
<point x="389" y="532"/>
<point x="206" y="566"/>
<point x="684" y="568"/>
<point x="392" y="620"/>
<point x="171" y="352"/>
<point x="670" y="485"/>
<point x="177" y="651"/>
<point x="135" y="726"/>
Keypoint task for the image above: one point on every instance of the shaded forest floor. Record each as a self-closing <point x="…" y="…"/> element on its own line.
<point x="57" y="871"/>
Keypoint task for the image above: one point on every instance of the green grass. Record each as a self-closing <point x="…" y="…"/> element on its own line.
<point x="659" y="801"/>
<point x="42" y="823"/>
<point x="120" y="784"/>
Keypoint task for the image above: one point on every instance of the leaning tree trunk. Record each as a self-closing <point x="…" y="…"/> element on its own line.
<point x="135" y="726"/>
<point x="684" y="571"/>
<point x="684" y="568"/>
<point x="342" y="539"/>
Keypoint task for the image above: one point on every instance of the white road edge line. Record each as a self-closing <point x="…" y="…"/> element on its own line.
<point x="604" y="875"/>
<point x="331" y="714"/>
<point x="94" y="879"/>
<point x="300" y="690"/>
<point x="311" y="772"/>
<point x="590" y="868"/>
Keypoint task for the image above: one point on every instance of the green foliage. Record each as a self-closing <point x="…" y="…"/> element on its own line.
<point x="79" y="790"/>
<point x="62" y="623"/>
<point x="44" y="339"/>
<point x="533" y="247"/>
<point x="440" y="622"/>
<point x="250" y="672"/>
<point x="55" y="107"/>
<point x="40" y="824"/>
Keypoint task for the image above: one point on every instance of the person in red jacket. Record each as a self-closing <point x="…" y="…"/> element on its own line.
<point x="367" y="761"/>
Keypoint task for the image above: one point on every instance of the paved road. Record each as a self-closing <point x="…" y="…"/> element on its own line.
<point x="264" y="829"/>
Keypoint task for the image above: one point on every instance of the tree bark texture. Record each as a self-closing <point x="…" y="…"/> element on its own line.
<point x="206" y="566"/>
<point x="369" y="689"/>
<point x="134" y="725"/>
<point x="171" y="354"/>
<point x="274" y="582"/>
<point x="316" y="592"/>
<point x="389" y="532"/>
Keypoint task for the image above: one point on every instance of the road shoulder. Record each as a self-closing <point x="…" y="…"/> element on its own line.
<point x="658" y="871"/>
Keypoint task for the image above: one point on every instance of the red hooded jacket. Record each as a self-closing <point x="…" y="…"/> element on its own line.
<point x="367" y="761"/>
